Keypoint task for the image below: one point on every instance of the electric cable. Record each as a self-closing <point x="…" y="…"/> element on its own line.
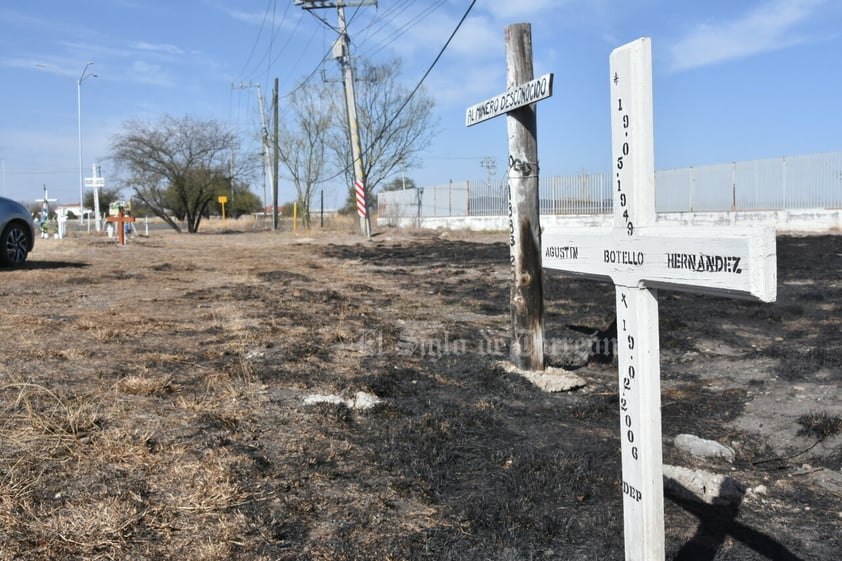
<point x="257" y="39"/>
<point x="388" y="16"/>
<point x="410" y="96"/>
<point x="402" y="30"/>
<point x="272" y="39"/>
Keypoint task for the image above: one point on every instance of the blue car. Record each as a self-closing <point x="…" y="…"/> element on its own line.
<point x="17" y="233"/>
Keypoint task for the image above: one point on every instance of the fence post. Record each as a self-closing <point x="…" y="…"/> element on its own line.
<point x="692" y="189"/>
<point x="733" y="186"/>
<point x="468" y="198"/>
<point x="783" y="179"/>
<point x="419" y="194"/>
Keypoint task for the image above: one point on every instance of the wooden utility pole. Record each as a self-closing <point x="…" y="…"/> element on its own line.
<point x="527" y="293"/>
<point x="342" y="52"/>
<point x="275" y="155"/>
<point x="353" y="125"/>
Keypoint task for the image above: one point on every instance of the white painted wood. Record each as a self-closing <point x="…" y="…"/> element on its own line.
<point x="640" y="422"/>
<point x="632" y="136"/>
<point x="515" y="97"/>
<point x="737" y="262"/>
<point x="640" y="257"/>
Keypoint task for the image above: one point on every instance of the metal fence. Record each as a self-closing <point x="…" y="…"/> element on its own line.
<point x="809" y="181"/>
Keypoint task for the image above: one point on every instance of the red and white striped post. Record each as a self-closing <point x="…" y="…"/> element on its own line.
<point x="362" y="207"/>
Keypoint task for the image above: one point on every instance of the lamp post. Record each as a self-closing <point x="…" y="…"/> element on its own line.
<point x="85" y="75"/>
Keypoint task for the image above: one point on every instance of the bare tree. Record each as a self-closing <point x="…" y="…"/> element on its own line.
<point x="176" y="165"/>
<point x="302" y="143"/>
<point x="393" y="128"/>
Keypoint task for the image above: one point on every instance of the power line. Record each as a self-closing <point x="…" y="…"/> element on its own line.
<point x="403" y="29"/>
<point x="388" y="16"/>
<point x="412" y="93"/>
<point x="430" y="69"/>
<point x="270" y="55"/>
<point x="310" y="75"/>
<point x="396" y="8"/>
<point x="272" y="38"/>
<point x="257" y="39"/>
<point x="324" y="57"/>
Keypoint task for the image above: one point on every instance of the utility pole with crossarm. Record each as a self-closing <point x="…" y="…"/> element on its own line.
<point x="342" y="52"/>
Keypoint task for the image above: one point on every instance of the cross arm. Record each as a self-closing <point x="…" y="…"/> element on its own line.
<point x="733" y="262"/>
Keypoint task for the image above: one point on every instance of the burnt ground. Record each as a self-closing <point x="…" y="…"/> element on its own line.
<point x="152" y="405"/>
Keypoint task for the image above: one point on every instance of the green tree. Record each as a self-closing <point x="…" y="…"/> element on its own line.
<point x="106" y="197"/>
<point x="399" y="183"/>
<point x="287" y="209"/>
<point x="177" y="165"/>
<point x="241" y="200"/>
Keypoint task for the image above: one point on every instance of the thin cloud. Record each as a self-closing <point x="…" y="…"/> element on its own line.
<point x="479" y="38"/>
<point x="29" y="63"/>
<point x="21" y="20"/>
<point x="163" y="48"/>
<point x="261" y="18"/>
<point x="253" y="18"/>
<point x="768" y="27"/>
<point x="151" y="74"/>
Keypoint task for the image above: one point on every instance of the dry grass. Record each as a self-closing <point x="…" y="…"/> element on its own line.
<point x="335" y="223"/>
<point x="157" y="412"/>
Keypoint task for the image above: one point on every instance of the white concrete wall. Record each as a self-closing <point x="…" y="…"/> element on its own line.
<point x="785" y="221"/>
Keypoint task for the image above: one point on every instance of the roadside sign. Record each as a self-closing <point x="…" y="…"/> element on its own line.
<point x="518" y="96"/>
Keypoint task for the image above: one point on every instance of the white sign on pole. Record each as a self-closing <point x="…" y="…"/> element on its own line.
<point x="518" y="96"/>
<point x="94" y="182"/>
<point x="639" y="257"/>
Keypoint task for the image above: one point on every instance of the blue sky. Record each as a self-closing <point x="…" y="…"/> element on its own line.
<point x="733" y="80"/>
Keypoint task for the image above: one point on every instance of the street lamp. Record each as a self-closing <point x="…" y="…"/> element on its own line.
<point x="85" y="75"/>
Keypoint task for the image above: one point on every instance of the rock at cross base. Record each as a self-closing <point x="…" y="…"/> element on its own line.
<point x="703" y="448"/>
<point x="704" y="486"/>
<point x="551" y="380"/>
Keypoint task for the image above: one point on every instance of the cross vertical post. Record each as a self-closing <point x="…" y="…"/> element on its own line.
<point x="45" y="211"/>
<point x="527" y="293"/>
<point x="632" y="147"/>
<point x="518" y="104"/>
<point x="96" y="182"/>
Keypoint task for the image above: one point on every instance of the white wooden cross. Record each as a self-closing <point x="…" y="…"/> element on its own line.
<point x="639" y="257"/>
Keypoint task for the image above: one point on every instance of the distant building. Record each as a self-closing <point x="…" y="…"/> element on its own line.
<point x="74" y="209"/>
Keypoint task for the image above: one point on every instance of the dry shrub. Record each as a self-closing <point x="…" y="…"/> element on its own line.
<point x="122" y="448"/>
<point x="146" y="385"/>
<point x="201" y="486"/>
<point x="38" y="413"/>
<point x="88" y="527"/>
<point x="820" y="426"/>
